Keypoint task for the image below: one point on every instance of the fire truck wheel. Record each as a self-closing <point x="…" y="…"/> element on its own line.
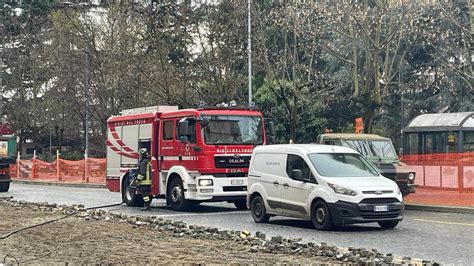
<point x="4" y="186"/>
<point x="129" y="196"/>
<point x="176" y="195"/>
<point x="240" y="204"/>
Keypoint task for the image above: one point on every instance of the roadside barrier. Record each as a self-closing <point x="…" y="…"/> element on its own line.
<point x="89" y="170"/>
<point x="448" y="172"/>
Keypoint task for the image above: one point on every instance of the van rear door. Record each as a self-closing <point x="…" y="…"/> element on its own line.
<point x="269" y="170"/>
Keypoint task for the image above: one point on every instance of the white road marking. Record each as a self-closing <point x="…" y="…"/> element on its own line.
<point x="441" y="222"/>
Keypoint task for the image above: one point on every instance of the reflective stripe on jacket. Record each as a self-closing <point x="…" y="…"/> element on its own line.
<point x="147" y="180"/>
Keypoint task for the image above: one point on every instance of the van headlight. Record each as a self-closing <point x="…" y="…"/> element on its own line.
<point x="411" y="176"/>
<point x="206" y="182"/>
<point x="342" y="190"/>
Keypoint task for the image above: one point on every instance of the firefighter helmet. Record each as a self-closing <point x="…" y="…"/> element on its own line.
<point x="143" y="152"/>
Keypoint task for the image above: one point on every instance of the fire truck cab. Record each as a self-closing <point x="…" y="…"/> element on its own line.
<point x="197" y="155"/>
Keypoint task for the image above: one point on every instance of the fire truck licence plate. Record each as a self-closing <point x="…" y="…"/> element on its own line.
<point x="381" y="208"/>
<point x="236" y="182"/>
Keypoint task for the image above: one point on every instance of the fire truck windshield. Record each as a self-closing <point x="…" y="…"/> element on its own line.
<point x="233" y="130"/>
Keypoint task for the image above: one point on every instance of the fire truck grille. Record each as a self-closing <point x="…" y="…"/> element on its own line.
<point x="232" y="161"/>
<point x="230" y="175"/>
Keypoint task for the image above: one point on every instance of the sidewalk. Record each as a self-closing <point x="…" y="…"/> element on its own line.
<point x="55" y="183"/>
<point x="439" y="200"/>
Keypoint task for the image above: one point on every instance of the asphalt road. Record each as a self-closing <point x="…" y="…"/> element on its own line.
<point x="444" y="237"/>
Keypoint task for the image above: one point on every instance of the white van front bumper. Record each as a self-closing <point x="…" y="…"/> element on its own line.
<point x="366" y="211"/>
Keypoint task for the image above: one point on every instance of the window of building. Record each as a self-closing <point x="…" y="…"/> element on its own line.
<point x="433" y="143"/>
<point x="468" y="145"/>
<point x="451" y="140"/>
<point x="168" y="130"/>
<point x="412" y="143"/>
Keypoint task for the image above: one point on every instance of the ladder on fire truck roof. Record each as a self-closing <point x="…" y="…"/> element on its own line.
<point x="148" y="109"/>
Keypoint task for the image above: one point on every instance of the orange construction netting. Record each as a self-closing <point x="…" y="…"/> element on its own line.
<point x="89" y="170"/>
<point x="442" y="179"/>
<point x="450" y="171"/>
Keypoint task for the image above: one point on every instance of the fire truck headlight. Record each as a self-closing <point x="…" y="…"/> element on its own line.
<point x="411" y="176"/>
<point x="206" y="182"/>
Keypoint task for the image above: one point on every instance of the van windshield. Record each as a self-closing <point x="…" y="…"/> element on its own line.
<point x="342" y="165"/>
<point x="233" y="130"/>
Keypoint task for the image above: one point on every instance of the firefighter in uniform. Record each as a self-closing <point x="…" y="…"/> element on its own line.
<point x="144" y="178"/>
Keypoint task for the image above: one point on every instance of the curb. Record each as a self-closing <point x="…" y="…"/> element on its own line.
<point x="41" y="183"/>
<point x="433" y="208"/>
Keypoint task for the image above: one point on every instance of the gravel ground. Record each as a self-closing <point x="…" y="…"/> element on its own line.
<point x="436" y="236"/>
<point x="82" y="240"/>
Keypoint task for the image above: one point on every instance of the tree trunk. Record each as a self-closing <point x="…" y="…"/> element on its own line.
<point x="355" y="77"/>
<point x="293" y="123"/>
<point x="56" y="132"/>
<point x="60" y="141"/>
<point x="294" y="119"/>
<point x="369" y="118"/>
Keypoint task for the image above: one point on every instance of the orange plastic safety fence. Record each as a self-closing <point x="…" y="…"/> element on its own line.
<point x="71" y="171"/>
<point x="96" y="169"/>
<point x="13" y="171"/>
<point x="447" y="172"/>
<point x="23" y="169"/>
<point x="91" y="170"/>
<point x="45" y="171"/>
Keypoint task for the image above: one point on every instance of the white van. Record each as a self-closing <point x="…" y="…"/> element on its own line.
<point x="329" y="185"/>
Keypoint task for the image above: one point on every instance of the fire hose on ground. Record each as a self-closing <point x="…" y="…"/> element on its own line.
<point x="45" y="223"/>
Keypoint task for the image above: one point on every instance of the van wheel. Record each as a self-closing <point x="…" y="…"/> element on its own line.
<point x="321" y="217"/>
<point x="128" y="194"/>
<point x="388" y="224"/>
<point x="176" y="196"/>
<point x="240" y="204"/>
<point x="259" y="213"/>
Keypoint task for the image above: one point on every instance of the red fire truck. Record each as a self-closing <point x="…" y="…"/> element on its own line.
<point x="197" y="155"/>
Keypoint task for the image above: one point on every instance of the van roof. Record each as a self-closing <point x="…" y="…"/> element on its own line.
<point x="303" y="148"/>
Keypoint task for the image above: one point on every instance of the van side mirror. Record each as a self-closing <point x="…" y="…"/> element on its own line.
<point x="297" y="174"/>
<point x="183" y="130"/>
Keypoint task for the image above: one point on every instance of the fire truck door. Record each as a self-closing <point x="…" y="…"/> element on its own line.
<point x="186" y="147"/>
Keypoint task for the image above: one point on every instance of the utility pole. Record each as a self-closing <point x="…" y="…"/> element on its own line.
<point x="1" y="66"/>
<point x="402" y="110"/>
<point x="249" y="50"/>
<point x="86" y="151"/>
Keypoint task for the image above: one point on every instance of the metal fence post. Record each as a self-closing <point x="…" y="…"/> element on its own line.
<point x="18" y="166"/>
<point x="33" y="165"/>
<point x="86" y="170"/>
<point x="58" y="164"/>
